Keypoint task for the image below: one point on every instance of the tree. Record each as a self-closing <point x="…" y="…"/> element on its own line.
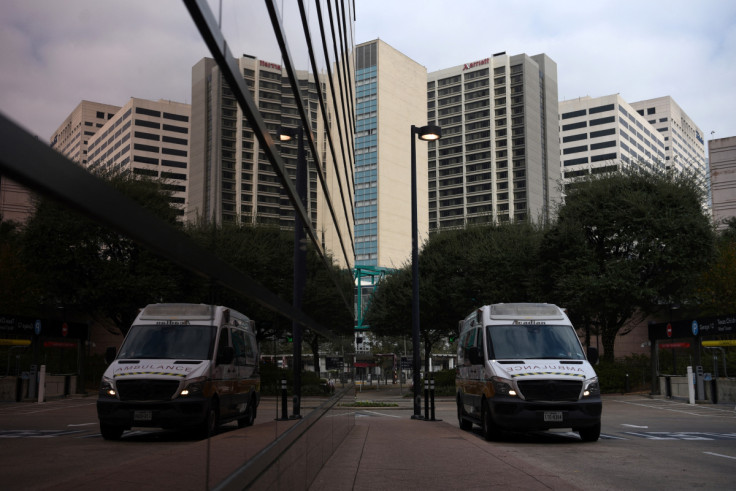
<point x="83" y="266"/>
<point x="18" y="287"/>
<point x="459" y="270"/>
<point x="263" y="252"/>
<point x="626" y="243"/>
<point x="266" y="254"/>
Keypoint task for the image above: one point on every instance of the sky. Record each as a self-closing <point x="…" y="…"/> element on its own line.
<point x="55" y="54"/>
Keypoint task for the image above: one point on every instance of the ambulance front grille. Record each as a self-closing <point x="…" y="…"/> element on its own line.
<point x="147" y="390"/>
<point x="551" y="390"/>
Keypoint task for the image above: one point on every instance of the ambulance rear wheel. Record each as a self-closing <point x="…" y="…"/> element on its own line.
<point x="489" y="427"/>
<point x="250" y="415"/>
<point x="465" y="425"/>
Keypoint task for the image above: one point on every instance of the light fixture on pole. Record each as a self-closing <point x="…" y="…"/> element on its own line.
<point x="427" y="133"/>
<point x="300" y="259"/>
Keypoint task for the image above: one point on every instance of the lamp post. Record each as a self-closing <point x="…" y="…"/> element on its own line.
<point x="300" y="260"/>
<point x="427" y="133"/>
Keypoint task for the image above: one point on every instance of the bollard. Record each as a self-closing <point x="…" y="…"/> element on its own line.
<point x="627" y="387"/>
<point x="431" y="394"/>
<point x="284" y="405"/>
<point x="426" y="397"/>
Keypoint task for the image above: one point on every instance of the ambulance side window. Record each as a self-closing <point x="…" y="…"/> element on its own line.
<point x="251" y="352"/>
<point x="223" y="345"/>
<point x="238" y="346"/>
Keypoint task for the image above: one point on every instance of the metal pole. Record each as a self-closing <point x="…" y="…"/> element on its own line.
<point x="415" y="280"/>
<point x="300" y="256"/>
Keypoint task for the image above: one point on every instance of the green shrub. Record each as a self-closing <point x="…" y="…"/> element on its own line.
<point x="272" y="375"/>
<point x="612" y="376"/>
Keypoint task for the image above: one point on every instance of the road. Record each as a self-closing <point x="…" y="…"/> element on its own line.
<point x="645" y="444"/>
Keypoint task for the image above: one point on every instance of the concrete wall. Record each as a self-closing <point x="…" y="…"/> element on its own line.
<point x="56" y="386"/>
<point x="726" y="388"/>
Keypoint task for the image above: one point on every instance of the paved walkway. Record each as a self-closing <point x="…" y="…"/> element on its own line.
<point x="401" y="453"/>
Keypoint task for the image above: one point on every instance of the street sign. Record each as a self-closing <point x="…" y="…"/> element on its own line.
<point x="674" y="345"/>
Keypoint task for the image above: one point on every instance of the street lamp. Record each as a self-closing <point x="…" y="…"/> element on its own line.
<point x="300" y="259"/>
<point x="427" y="133"/>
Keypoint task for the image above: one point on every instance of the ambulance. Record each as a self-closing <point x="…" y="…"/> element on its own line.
<point x="191" y="366"/>
<point x="521" y="367"/>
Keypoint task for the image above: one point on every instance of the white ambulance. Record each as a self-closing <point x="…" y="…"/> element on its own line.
<point x="521" y="367"/>
<point x="181" y="366"/>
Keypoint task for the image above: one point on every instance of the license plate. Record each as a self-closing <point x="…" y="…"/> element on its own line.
<point x="143" y="415"/>
<point x="554" y="416"/>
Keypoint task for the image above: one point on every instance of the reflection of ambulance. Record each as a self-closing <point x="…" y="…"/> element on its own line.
<point x="521" y="367"/>
<point x="181" y="366"/>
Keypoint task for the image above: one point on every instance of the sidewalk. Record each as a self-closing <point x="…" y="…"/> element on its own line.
<point x="397" y="452"/>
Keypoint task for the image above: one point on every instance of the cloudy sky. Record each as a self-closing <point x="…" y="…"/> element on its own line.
<point x="55" y="54"/>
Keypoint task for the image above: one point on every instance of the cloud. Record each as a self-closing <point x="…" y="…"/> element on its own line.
<point x="639" y="49"/>
<point x="58" y="53"/>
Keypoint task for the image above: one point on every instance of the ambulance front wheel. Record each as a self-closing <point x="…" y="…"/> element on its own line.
<point x="489" y="427"/>
<point x="111" y="432"/>
<point x="591" y="433"/>
<point x="465" y="425"/>
<point x="209" y="424"/>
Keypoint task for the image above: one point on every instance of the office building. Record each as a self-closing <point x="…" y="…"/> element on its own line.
<point x="391" y="97"/>
<point x="147" y="138"/>
<point x="73" y="135"/>
<point x="722" y="157"/>
<point x="498" y="158"/>
<point x="606" y="134"/>
<point x="232" y="179"/>
<point x="16" y="201"/>
<point x="684" y="141"/>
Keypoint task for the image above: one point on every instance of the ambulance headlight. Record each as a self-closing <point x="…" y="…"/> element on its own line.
<point x="591" y="388"/>
<point x="503" y="387"/>
<point x="107" y="388"/>
<point x="193" y="388"/>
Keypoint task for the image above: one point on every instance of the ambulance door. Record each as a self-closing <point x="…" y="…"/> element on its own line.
<point x="241" y="388"/>
<point x="226" y="373"/>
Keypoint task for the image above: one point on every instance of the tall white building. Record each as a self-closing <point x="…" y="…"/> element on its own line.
<point x="606" y="134"/>
<point x="72" y="137"/>
<point x="147" y="138"/>
<point x="684" y="141"/>
<point x="391" y="97"/>
<point x="232" y="178"/>
<point x="498" y="158"/>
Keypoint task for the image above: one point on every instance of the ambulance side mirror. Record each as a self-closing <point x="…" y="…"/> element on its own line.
<point x="592" y="355"/>
<point x="110" y="354"/>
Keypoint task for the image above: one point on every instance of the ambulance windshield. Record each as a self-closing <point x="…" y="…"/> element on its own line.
<point x="533" y="341"/>
<point x="180" y="342"/>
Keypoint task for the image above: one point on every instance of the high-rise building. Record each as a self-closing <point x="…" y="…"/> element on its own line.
<point x="606" y="134"/>
<point x="391" y="97"/>
<point x="498" y="158"/>
<point x="232" y="180"/>
<point x="16" y="201"/>
<point x="722" y="157"/>
<point x="684" y="141"/>
<point x="147" y="138"/>
<point x="73" y="135"/>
